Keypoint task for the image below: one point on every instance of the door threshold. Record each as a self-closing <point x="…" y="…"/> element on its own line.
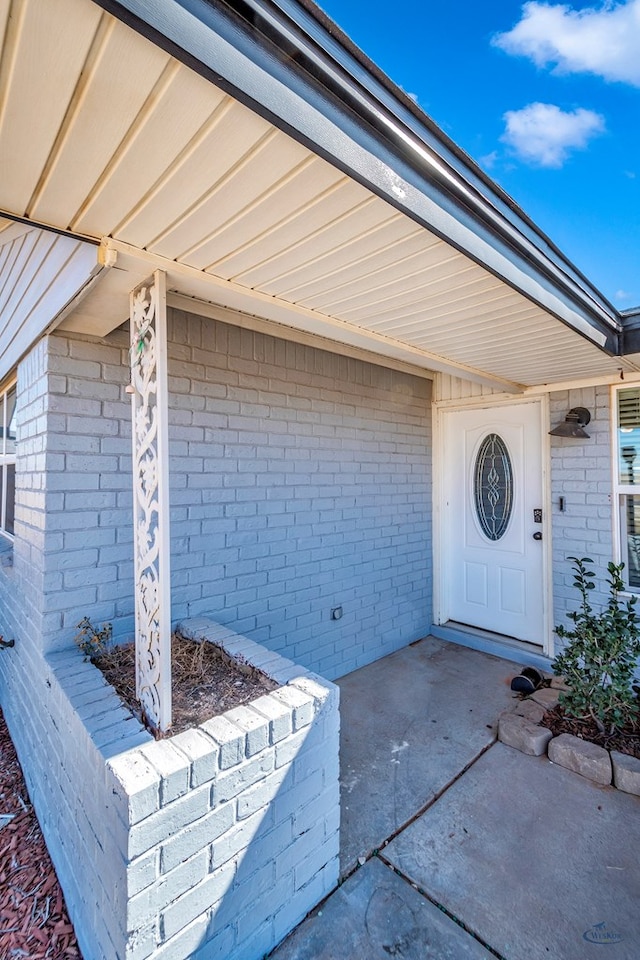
<point x="519" y="651"/>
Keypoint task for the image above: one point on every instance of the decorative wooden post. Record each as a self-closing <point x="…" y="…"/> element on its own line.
<point x="148" y="318"/>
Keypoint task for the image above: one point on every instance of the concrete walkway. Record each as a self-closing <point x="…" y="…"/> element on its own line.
<point x="410" y="724"/>
<point x="482" y="851"/>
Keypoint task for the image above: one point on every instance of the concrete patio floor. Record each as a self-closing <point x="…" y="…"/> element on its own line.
<point x="410" y="724"/>
<point x="487" y="852"/>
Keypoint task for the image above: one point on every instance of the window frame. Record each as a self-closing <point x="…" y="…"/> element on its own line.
<point x="621" y="490"/>
<point x="7" y="458"/>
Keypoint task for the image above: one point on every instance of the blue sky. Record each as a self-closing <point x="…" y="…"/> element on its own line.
<point x="544" y="96"/>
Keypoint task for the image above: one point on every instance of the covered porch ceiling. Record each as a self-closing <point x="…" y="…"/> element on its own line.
<point x="106" y="136"/>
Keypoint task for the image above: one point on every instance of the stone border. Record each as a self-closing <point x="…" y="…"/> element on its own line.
<point x="521" y="728"/>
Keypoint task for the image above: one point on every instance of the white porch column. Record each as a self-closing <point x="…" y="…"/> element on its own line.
<point x="149" y="407"/>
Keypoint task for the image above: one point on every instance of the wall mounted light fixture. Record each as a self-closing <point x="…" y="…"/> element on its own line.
<point x="573" y="424"/>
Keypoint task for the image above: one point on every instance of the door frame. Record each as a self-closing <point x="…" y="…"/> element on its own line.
<point x="440" y="587"/>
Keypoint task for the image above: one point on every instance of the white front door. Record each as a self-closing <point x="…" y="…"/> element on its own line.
<point x="493" y="557"/>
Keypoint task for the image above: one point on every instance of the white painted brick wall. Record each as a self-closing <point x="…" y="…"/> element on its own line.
<point x="581" y="473"/>
<point x="89" y="526"/>
<point x="22" y="574"/>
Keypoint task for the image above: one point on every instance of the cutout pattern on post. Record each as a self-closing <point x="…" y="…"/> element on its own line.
<point x="151" y="499"/>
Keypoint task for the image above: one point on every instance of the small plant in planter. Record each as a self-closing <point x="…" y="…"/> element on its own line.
<point x="600" y="655"/>
<point x="93" y="641"/>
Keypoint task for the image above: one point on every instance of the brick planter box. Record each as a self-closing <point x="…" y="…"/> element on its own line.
<point x="221" y="838"/>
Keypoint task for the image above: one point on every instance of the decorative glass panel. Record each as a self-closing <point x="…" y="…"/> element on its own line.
<point x="493" y="486"/>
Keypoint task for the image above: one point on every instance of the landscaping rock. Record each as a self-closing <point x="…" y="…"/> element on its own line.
<point x="547" y="697"/>
<point x="587" y="759"/>
<point x="626" y="772"/>
<point x="531" y="710"/>
<point x="522" y="734"/>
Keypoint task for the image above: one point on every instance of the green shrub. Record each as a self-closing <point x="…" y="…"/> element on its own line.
<point x="600" y="655"/>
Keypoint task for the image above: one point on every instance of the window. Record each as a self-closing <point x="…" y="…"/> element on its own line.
<point x="493" y="487"/>
<point x="627" y="481"/>
<point x="7" y="459"/>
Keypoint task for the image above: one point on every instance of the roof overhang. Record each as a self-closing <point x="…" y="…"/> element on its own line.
<point x="107" y="305"/>
<point x="43" y="277"/>
<point x="279" y="58"/>
<point x="269" y="173"/>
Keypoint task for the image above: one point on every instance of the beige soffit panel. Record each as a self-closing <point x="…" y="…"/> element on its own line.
<point x="107" y="306"/>
<point x="38" y="44"/>
<point x="163" y="161"/>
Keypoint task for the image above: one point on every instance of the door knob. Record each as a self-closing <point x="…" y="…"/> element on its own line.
<point x="537" y="535"/>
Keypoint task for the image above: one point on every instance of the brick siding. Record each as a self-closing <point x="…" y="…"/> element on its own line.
<point x="299" y="482"/>
<point x="581" y="473"/>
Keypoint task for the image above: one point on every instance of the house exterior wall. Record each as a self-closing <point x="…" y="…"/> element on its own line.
<point x="299" y="482"/>
<point x="448" y="387"/>
<point x="581" y="473"/>
<point x="273" y="853"/>
<point x="22" y="564"/>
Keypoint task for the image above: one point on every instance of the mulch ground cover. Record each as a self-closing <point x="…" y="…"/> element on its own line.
<point x="625" y="741"/>
<point x="205" y="681"/>
<point x="34" y="924"/>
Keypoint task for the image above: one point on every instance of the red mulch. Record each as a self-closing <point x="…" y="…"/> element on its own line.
<point x="625" y="741"/>
<point x="34" y="924"/>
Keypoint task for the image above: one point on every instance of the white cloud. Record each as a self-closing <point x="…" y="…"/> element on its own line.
<point x="489" y="160"/>
<point x="543" y="134"/>
<point x="604" y="41"/>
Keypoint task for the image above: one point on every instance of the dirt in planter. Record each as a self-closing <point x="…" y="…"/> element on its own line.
<point x="626" y="741"/>
<point x="34" y="922"/>
<point x="205" y="681"/>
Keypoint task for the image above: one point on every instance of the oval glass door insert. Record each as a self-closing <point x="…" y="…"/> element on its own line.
<point x="493" y="486"/>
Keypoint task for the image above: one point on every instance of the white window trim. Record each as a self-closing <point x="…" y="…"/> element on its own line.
<point x="620" y="489"/>
<point x="6" y="459"/>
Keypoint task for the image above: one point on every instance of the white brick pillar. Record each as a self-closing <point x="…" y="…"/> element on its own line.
<point x="149" y="407"/>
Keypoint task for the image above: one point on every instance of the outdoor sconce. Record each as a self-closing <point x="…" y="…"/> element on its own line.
<point x="573" y="425"/>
